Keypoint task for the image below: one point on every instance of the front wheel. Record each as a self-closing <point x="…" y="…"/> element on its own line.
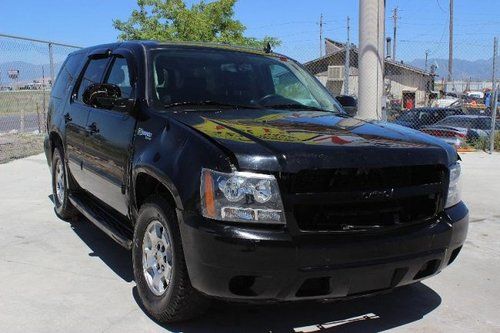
<point x="159" y="267"/>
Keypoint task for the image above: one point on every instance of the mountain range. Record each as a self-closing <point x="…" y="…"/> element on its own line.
<point x="463" y="69"/>
<point x="27" y="71"/>
<point x="478" y="70"/>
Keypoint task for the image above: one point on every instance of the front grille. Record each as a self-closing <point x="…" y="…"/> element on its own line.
<point x="353" y="200"/>
<point x="350" y="179"/>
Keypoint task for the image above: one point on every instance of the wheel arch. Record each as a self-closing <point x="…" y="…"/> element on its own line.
<point x="148" y="181"/>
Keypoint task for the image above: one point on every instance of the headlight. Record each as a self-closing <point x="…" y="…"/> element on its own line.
<point x="241" y="197"/>
<point x="455" y="188"/>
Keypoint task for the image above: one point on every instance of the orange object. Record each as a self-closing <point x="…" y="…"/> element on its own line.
<point x="209" y="194"/>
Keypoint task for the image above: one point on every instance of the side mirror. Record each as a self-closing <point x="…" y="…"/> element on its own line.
<point x="106" y="96"/>
<point x="349" y="104"/>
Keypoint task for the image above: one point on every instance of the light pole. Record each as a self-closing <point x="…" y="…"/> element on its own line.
<point x="371" y="58"/>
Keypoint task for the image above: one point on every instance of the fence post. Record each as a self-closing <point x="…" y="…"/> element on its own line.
<point x="52" y="70"/>
<point x="494" y="96"/>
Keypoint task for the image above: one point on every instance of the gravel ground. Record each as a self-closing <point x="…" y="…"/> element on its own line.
<point x="15" y="146"/>
<point x="57" y="276"/>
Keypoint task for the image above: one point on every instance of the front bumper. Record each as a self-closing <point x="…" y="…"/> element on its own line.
<point x="247" y="264"/>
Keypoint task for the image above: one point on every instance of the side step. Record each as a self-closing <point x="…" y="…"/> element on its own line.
<point x="113" y="226"/>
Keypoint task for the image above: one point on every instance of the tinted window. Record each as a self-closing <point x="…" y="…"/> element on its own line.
<point x="119" y="75"/>
<point x="482" y="123"/>
<point x="235" y="78"/>
<point x="93" y="74"/>
<point x="67" y="74"/>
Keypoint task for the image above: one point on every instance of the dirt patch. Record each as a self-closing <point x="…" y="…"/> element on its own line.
<point x="14" y="146"/>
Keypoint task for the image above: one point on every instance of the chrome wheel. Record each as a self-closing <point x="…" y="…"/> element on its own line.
<point x="157" y="257"/>
<point x="59" y="181"/>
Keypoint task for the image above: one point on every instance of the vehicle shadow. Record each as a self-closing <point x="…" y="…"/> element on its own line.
<point x="402" y="306"/>
<point x="118" y="259"/>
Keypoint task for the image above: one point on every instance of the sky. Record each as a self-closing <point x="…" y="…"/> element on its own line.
<point x="423" y="24"/>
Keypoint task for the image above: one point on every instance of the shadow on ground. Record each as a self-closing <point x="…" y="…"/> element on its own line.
<point x="113" y="255"/>
<point x="402" y="306"/>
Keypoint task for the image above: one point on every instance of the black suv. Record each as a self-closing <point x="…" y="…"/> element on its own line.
<point x="233" y="173"/>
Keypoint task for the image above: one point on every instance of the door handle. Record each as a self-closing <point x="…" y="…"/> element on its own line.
<point x="67" y="118"/>
<point x="92" y="129"/>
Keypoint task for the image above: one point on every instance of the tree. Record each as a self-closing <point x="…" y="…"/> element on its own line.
<point x="172" y="20"/>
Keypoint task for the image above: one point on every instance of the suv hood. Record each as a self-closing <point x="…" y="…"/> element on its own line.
<point x="290" y="141"/>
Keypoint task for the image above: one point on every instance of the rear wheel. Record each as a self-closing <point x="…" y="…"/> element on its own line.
<point x="159" y="267"/>
<point x="60" y="191"/>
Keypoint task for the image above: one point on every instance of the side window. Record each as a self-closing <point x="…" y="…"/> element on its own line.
<point x="119" y="75"/>
<point x="67" y="74"/>
<point x="93" y="74"/>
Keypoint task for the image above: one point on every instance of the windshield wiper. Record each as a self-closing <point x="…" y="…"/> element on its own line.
<point x="210" y="103"/>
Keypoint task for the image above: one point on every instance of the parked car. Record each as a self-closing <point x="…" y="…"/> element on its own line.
<point x="420" y="117"/>
<point x="457" y="130"/>
<point x="446" y="102"/>
<point x="232" y="173"/>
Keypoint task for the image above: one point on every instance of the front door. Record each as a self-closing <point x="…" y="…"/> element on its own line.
<point x="108" y="144"/>
<point x="76" y="116"/>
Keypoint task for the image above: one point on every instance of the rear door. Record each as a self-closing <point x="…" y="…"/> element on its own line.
<point x="76" y="116"/>
<point x="108" y="146"/>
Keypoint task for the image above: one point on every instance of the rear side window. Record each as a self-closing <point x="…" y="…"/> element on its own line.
<point x="93" y="74"/>
<point x="67" y="75"/>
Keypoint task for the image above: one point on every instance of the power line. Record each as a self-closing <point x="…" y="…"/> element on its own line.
<point x="450" y="51"/>
<point x="395" y="32"/>
<point x="347" y="65"/>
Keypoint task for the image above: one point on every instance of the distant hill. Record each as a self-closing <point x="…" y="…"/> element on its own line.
<point x="462" y="69"/>
<point x="27" y="71"/>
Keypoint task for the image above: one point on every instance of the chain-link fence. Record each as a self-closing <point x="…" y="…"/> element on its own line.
<point x="27" y="71"/>
<point x="417" y="91"/>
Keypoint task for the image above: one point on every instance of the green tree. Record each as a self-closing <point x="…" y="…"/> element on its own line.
<point x="172" y="20"/>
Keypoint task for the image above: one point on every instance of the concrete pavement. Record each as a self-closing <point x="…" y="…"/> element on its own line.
<point x="57" y="276"/>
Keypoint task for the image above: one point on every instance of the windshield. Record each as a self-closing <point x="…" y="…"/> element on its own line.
<point x="208" y="77"/>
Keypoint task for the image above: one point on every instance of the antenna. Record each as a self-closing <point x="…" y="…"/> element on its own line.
<point x="267" y="48"/>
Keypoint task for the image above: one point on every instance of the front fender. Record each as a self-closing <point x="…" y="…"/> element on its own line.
<point x="174" y="154"/>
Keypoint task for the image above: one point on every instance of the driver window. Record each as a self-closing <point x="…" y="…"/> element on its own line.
<point x="287" y="85"/>
<point x="93" y="74"/>
<point x="119" y="75"/>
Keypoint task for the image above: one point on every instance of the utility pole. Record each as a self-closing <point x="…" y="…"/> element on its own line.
<point x="371" y="58"/>
<point x="426" y="58"/>
<point x="347" y="65"/>
<point x="321" y="35"/>
<point x="450" y="44"/>
<point x="494" y="95"/>
<point x="395" y="18"/>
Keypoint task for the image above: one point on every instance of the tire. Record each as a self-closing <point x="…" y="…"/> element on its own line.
<point x="172" y="298"/>
<point x="60" y="189"/>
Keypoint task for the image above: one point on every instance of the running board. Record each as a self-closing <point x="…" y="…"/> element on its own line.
<point x="113" y="226"/>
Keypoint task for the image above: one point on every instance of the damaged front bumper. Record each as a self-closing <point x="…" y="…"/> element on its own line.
<point x="249" y="264"/>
